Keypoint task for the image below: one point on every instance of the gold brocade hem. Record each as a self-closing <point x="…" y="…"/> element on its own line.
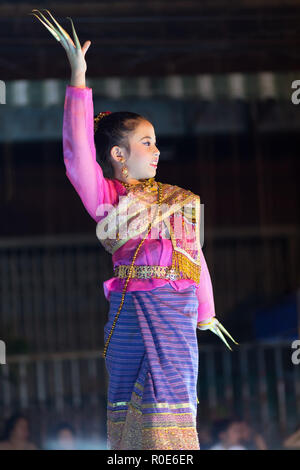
<point x="136" y="426"/>
<point x="175" y="438"/>
<point x="123" y="436"/>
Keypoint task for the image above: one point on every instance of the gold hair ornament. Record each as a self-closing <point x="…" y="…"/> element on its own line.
<point x="98" y="118"/>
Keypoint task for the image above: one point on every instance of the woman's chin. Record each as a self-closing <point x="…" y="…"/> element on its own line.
<point x="149" y="174"/>
<point x="153" y="172"/>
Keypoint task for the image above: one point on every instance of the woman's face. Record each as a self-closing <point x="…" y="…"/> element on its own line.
<point x="66" y="439"/>
<point x="232" y="436"/>
<point x="21" y="430"/>
<point x="143" y="159"/>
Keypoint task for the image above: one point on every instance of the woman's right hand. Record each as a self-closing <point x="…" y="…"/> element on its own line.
<point x="75" y="53"/>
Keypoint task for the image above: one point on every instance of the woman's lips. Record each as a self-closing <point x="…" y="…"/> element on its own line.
<point x="153" y="164"/>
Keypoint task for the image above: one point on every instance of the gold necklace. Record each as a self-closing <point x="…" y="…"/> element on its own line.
<point x="145" y="183"/>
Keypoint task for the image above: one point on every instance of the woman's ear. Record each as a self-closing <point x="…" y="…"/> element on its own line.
<point x="116" y="154"/>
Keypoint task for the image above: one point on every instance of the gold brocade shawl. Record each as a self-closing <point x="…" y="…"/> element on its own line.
<point x="178" y="219"/>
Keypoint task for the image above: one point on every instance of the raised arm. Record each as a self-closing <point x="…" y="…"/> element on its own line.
<point x="82" y="169"/>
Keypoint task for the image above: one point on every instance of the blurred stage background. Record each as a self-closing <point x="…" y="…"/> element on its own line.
<point x="215" y="79"/>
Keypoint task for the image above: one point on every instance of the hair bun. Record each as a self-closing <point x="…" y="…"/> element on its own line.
<point x="99" y="117"/>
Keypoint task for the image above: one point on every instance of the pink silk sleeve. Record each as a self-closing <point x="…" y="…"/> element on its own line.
<point x="204" y="292"/>
<point x="79" y="151"/>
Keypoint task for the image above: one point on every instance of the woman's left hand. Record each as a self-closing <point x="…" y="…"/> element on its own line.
<point x="216" y="327"/>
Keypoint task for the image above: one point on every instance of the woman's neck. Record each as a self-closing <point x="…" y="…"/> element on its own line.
<point x="131" y="180"/>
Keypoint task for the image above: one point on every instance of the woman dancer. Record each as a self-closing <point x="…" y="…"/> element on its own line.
<point x="151" y="349"/>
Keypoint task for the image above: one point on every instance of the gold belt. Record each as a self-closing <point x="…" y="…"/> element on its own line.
<point x="147" y="272"/>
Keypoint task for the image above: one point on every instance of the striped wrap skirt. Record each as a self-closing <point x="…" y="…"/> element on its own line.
<point x="152" y="365"/>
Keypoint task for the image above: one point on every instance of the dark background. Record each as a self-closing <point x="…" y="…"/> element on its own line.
<point x="239" y="153"/>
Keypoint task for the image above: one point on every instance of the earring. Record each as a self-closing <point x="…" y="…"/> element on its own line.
<point x="124" y="170"/>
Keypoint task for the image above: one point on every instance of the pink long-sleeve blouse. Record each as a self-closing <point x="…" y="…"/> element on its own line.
<point x="86" y="175"/>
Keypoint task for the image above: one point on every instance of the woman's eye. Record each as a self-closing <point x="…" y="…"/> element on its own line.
<point x="148" y="143"/>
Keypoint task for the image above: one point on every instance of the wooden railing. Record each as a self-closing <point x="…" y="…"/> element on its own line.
<point x="257" y="381"/>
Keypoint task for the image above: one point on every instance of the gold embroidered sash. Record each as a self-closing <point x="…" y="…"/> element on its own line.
<point x="178" y="219"/>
